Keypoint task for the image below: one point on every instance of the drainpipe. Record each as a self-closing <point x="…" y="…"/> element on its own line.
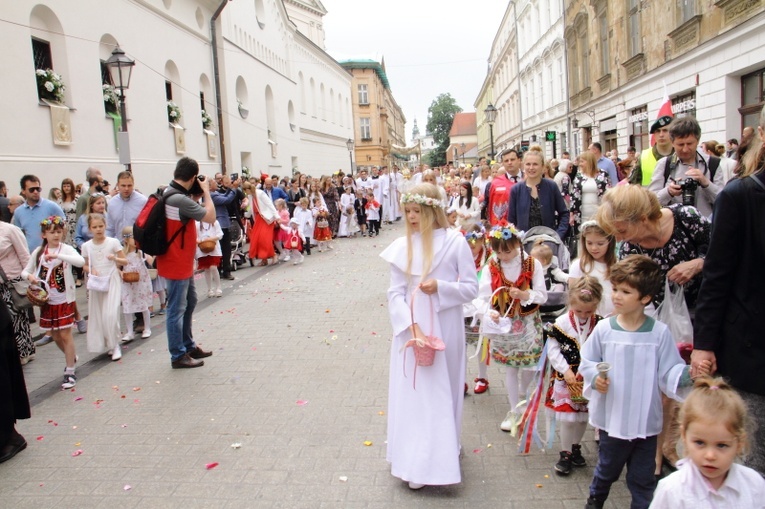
<point x="569" y="133"/>
<point x="216" y="72"/>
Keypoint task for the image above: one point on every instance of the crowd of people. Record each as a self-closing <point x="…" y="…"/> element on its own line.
<point x="669" y="216"/>
<point x="690" y="225"/>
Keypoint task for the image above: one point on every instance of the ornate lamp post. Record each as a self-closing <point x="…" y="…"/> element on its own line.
<point x="350" y="144"/>
<point x="491" y="115"/>
<point x="120" y="68"/>
<point x="462" y="146"/>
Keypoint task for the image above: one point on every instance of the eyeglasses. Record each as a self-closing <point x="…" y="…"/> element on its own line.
<point x="34" y="189"/>
<point x="127" y="235"/>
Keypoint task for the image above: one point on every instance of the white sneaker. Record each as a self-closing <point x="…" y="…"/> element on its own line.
<point x="146" y="334"/>
<point x="287" y="258"/>
<point x="117" y="353"/>
<point x="219" y="293"/>
<point x="415" y="486"/>
<point x="210" y="294"/>
<point x="510" y="424"/>
<point x="128" y="337"/>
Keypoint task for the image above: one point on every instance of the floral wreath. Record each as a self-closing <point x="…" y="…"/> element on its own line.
<point x="505" y="231"/>
<point x="420" y="199"/>
<point x="52" y="220"/>
<point x="474" y="237"/>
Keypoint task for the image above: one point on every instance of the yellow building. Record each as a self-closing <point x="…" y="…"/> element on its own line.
<point x="378" y="119"/>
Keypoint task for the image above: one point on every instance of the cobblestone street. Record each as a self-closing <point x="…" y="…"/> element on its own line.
<point x="288" y="412"/>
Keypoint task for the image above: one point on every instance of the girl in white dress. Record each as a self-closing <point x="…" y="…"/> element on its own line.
<point x="713" y="422"/>
<point x="432" y="276"/>
<point x="102" y="254"/>
<point x="597" y="255"/>
<point x="347" y="213"/>
<point x="52" y="263"/>
<point x="136" y="297"/>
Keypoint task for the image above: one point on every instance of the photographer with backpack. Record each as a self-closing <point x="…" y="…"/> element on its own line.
<point x="176" y="264"/>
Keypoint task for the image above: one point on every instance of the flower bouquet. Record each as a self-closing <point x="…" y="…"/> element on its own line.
<point x="50" y="85"/>
<point x="207" y="120"/>
<point x="173" y="112"/>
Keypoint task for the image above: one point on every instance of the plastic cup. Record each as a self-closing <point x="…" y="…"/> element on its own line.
<point x="603" y="369"/>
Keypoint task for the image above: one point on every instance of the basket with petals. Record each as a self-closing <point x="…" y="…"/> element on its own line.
<point x="207" y="246"/>
<point x="37" y="295"/>
<point x="575" y="390"/>
<point x="131" y="277"/>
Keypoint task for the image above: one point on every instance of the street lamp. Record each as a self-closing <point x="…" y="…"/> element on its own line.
<point x="462" y="146"/>
<point x="349" y="144"/>
<point x="491" y="115"/>
<point x="120" y="68"/>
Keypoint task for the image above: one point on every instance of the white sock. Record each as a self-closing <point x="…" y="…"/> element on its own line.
<point x="146" y="320"/>
<point x="527" y="375"/>
<point x="208" y="278"/>
<point x="68" y="370"/>
<point x="571" y="433"/>
<point x="213" y="271"/>
<point x="483" y="369"/>
<point x="129" y="322"/>
<point x="511" y="383"/>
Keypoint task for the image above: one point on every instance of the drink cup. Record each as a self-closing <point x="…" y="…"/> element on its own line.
<point x="603" y="369"/>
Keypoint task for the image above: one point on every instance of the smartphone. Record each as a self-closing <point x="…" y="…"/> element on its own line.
<point x="234" y="176"/>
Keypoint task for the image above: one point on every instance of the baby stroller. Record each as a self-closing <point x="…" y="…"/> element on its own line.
<point x="238" y="253"/>
<point x="556" y="300"/>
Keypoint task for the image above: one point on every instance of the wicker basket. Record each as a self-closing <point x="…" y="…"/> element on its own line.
<point x="575" y="389"/>
<point x="207" y="246"/>
<point x="131" y="277"/>
<point x="424" y="355"/>
<point x="37" y="295"/>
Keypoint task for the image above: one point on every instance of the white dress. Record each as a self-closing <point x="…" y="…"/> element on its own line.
<point x="346" y="219"/>
<point x="589" y="199"/>
<point x="424" y="424"/>
<point x="598" y="271"/>
<point x="137" y="297"/>
<point x="103" y="307"/>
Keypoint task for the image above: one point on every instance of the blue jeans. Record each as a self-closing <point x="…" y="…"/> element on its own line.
<point x="181" y="301"/>
<point x="640" y="457"/>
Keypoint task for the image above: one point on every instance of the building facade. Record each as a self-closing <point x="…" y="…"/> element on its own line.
<point x="379" y="121"/>
<point x="625" y="57"/>
<point x="285" y="102"/>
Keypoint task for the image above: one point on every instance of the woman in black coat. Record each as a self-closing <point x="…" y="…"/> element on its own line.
<point x="14" y="402"/>
<point x="727" y="329"/>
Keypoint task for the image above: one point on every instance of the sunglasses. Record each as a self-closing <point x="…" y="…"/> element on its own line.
<point x="35" y="189"/>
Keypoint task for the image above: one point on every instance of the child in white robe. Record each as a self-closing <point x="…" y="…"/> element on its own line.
<point x="432" y="276"/>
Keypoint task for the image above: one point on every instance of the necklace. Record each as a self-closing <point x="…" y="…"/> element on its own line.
<point x="582" y="328"/>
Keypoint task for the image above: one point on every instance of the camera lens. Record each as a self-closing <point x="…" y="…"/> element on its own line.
<point x="201" y="178"/>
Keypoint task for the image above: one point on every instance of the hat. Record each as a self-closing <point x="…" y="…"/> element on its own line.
<point x="660" y="122"/>
<point x="264" y="176"/>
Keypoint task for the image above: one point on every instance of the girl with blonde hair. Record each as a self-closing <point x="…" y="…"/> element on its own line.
<point x="432" y="276"/>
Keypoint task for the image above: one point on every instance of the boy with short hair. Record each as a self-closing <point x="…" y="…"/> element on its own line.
<point x="625" y="404"/>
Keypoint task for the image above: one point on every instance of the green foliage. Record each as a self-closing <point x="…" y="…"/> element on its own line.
<point x="440" y="117"/>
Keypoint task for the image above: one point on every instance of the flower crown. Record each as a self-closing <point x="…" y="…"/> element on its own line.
<point x="473" y="236"/>
<point x="52" y="220"/>
<point x="420" y="199"/>
<point x="505" y="231"/>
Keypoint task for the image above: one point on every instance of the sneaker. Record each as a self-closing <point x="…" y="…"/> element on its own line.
<point x="130" y="336"/>
<point x="25" y="360"/>
<point x="287" y="258"/>
<point x="70" y="380"/>
<point x="210" y="294"/>
<point x="82" y="326"/>
<point x="563" y="467"/>
<point x="162" y="311"/>
<point x="481" y="385"/>
<point x="415" y="486"/>
<point x="219" y="293"/>
<point x="510" y="424"/>
<point x="117" y="353"/>
<point x="576" y="456"/>
<point x="43" y="340"/>
<point x="146" y="334"/>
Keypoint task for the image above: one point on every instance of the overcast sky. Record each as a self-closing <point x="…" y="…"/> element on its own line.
<point x="430" y="46"/>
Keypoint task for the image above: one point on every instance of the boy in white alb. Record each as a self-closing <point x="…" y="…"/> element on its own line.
<point x="625" y="401"/>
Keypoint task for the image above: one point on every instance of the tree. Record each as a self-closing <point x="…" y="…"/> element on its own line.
<point x="440" y="117"/>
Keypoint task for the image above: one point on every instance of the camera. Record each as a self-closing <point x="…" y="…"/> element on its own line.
<point x="201" y="178"/>
<point x="688" y="186"/>
<point x="234" y="176"/>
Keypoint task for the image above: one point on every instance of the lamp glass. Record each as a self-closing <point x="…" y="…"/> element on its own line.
<point x="491" y="113"/>
<point x="120" y="68"/>
<point x="349" y="144"/>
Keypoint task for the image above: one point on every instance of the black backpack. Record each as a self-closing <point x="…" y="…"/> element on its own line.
<point x="150" y="227"/>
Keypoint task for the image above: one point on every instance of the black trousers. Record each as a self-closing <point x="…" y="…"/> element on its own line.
<point x="225" y="247"/>
<point x="307" y="246"/>
<point x="374" y="226"/>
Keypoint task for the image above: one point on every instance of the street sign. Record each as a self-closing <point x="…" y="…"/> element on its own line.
<point x="550" y="135"/>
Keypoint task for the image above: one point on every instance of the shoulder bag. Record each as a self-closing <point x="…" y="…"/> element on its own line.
<point x="96" y="283"/>
<point x="18" y="291"/>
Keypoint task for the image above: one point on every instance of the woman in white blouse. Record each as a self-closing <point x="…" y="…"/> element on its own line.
<point x="468" y="210"/>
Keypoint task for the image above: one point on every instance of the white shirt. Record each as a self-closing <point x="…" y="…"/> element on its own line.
<point x="511" y="270"/>
<point x="744" y="488"/>
<point x="643" y="363"/>
<point x="598" y="271"/>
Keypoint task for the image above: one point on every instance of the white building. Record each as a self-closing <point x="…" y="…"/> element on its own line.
<point x="293" y="95"/>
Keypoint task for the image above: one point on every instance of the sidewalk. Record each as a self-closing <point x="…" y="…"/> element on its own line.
<point x="281" y="413"/>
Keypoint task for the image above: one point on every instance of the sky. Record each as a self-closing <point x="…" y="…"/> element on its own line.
<point x="430" y="46"/>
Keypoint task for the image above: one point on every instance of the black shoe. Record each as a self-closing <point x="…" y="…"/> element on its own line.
<point x="228" y="276"/>
<point x="563" y="467"/>
<point x="198" y="353"/>
<point x="187" y="362"/>
<point x="15" y="445"/>
<point x="594" y="504"/>
<point x="576" y="456"/>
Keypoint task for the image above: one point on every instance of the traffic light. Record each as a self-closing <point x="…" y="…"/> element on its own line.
<point x="550" y="135"/>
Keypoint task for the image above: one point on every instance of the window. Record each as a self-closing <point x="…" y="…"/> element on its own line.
<point x="604" y="47"/>
<point x="684" y="105"/>
<point x="686" y="9"/>
<point x="639" y="123"/>
<point x="366" y="128"/>
<point x="168" y="90"/>
<point x="41" y="54"/>
<point x="752" y="98"/>
<point x="633" y="27"/>
<point x="363" y="94"/>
